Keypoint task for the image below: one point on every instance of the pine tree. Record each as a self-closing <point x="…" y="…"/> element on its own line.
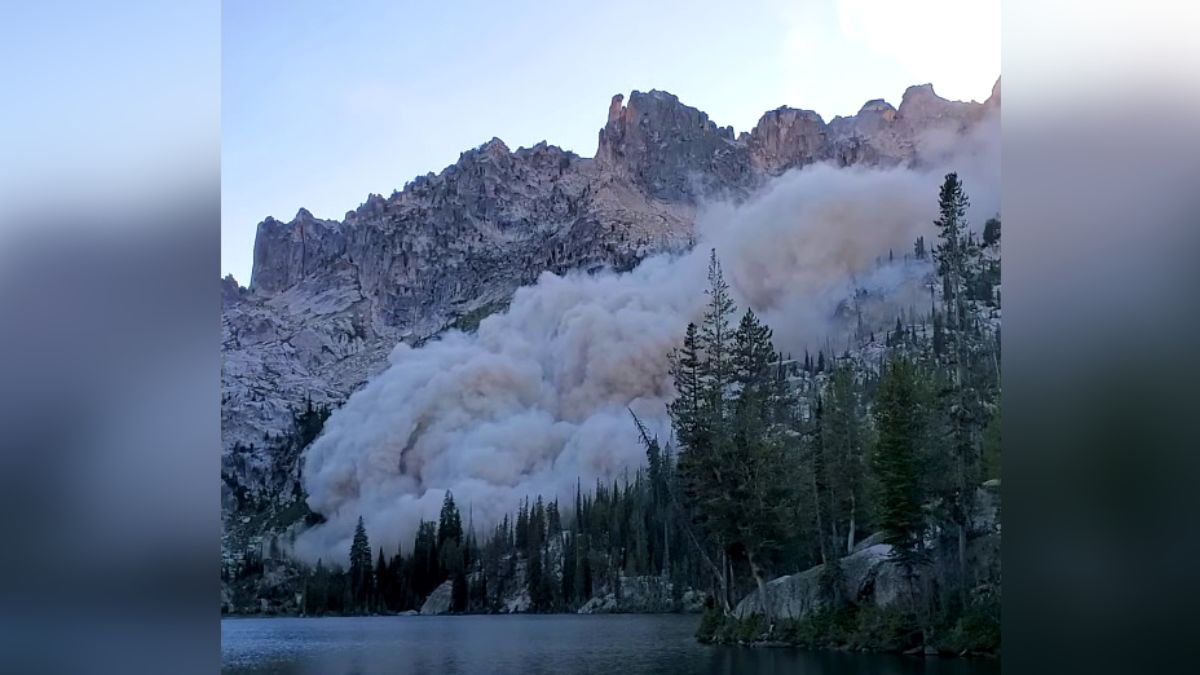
<point x="818" y="477"/>
<point x="843" y="444"/>
<point x="426" y="573"/>
<point x="939" y="334"/>
<point x="449" y="522"/>
<point x="459" y="591"/>
<point x="361" y="574"/>
<point x="992" y="446"/>
<point x="688" y="406"/>
<point x="701" y="421"/>
<point x="716" y="339"/>
<point x="752" y="358"/>
<point x="896" y="466"/>
<point x="760" y="492"/>
<point x="991" y="232"/>
<point x="955" y="253"/>
<point x="382" y="582"/>
<point x="522" y="526"/>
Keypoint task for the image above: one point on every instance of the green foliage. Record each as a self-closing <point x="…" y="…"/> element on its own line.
<point x="469" y="322"/>
<point x="848" y="628"/>
<point x="844" y="461"/>
<point x="449" y="522"/>
<point x="886" y="629"/>
<point x="362" y="576"/>
<point x="991" y="232"/>
<point x="896" y="462"/>
<point x="976" y="630"/>
<point x="992" y="446"/>
<point x="749" y="629"/>
<point x="732" y="421"/>
<point x="710" y="623"/>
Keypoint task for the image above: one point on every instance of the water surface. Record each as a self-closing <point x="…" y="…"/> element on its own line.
<point x="558" y="644"/>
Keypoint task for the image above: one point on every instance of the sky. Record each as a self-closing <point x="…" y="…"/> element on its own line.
<point x="88" y="121"/>
<point x="323" y="103"/>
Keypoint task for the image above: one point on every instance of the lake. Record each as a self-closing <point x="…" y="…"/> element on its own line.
<point x="553" y="644"/>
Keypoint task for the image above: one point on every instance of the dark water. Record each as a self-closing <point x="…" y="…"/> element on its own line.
<point x="531" y="645"/>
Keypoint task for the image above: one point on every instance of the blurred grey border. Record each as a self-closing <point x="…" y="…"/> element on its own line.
<point x="1101" y="206"/>
<point x="109" y="317"/>
<point x="109" y="336"/>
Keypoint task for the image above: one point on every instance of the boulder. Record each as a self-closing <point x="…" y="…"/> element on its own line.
<point x="867" y="576"/>
<point x="438" y="601"/>
<point x="870" y="578"/>
<point x="643" y="595"/>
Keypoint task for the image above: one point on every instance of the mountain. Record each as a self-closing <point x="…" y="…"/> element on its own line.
<point x="329" y="299"/>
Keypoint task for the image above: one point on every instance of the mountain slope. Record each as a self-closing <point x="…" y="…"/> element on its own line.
<point x="328" y="300"/>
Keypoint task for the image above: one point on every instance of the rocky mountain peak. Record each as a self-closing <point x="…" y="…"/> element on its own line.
<point x="671" y="151"/>
<point x="786" y="138"/>
<point x="285" y="253"/>
<point x="919" y="91"/>
<point x="921" y="106"/>
<point x="231" y="291"/>
<point x="878" y="106"/>
<point x="994" y="100"/>
<point x="493" y="149"/>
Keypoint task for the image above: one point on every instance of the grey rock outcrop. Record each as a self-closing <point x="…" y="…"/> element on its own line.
<point x="671" y="151"/>
<point x="287" y="253"/>
<point x="644" y="595"/>
<point x="787" y="138"/>
<point x="438" y="601"/>
<point x="870" y="578"/>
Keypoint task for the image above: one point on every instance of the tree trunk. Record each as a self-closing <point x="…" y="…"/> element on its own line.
<point x="962" y="564"/>
<point x="718" y="574"/>
<point x="820" y="524"/>
<point x="835" y="540"/>
<point x="764" y="600"/>
<point x="850" y="535"/>
<point x="666" y="566"/>
<point x="729" y="582"/>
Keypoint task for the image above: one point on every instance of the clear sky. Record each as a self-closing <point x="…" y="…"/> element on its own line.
<point x="325" y="102"/>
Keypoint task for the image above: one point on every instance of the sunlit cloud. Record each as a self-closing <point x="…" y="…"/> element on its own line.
<point x="955" y="44"/>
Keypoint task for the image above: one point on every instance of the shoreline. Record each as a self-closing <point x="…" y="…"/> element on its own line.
<point x="923" y="651"/>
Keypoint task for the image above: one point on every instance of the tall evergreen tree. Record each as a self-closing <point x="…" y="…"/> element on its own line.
<point x="716" y="338"/>
<point x="954" y="254"/>
<point x="361" y="573"/>
<point x="896" y="464"/>
<point x="843" y="444"/>
<point x="449" y="522"/>
<point x="991" y="232"/>
<point x="382" y="582"/>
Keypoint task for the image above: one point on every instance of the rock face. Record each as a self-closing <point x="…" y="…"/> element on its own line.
<point x="870" y="578"/>
<point x="671" y="151"/>
<point x="328" y="299"/>
<point x="787" y="138"/>
<point x="644" y="595"/>
<point x="438" y="601"/>
<point x="800" y="595"/>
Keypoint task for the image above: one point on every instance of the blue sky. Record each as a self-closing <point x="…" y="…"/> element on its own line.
<point x="323" y="103"/>
<point x="106" y="102"/>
